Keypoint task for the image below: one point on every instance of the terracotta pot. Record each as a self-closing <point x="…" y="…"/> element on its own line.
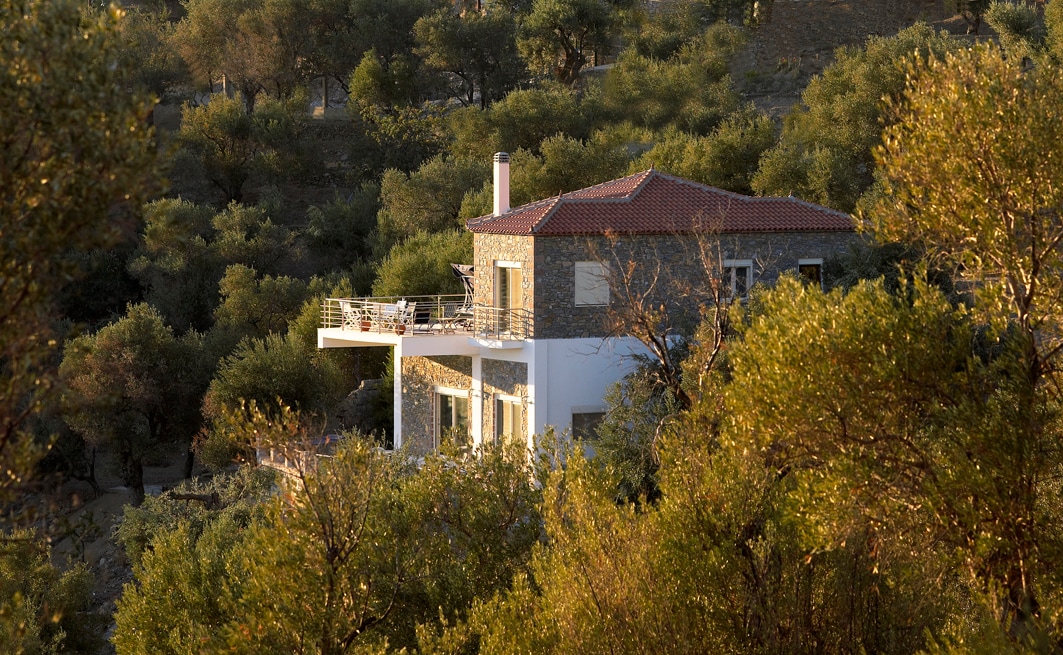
<point x="400" y="329"/>
<point x="366" y="325"/>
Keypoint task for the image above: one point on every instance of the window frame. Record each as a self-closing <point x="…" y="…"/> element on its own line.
<point x="591" y="284"/>
<point x="584" y="410"/>
<point x="513" y="402"/>
<point x="811" y="261"/>
<point x="730" y="277"/>
<point x="438" y="392"/>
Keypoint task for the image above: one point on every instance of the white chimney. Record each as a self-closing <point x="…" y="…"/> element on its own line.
<point x="501" y="183"/>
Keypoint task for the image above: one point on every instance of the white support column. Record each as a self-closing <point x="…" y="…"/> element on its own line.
<point x="476" y="411"/>
<point x="537" y="400"/>
<point x="397" y="415"/>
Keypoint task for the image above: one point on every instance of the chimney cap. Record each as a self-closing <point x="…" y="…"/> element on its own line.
<point x="502" y="157"/>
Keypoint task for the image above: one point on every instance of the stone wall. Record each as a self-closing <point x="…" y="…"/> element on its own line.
<point x="489" y="248"/>
<point x="672" y="264"/>
<point x="506" y="378"/>
<point x="420" y="375"/>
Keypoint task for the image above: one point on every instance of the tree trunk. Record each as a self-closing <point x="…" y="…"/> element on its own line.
<point x="190" y="461"/>
<point x="133" y="476"/>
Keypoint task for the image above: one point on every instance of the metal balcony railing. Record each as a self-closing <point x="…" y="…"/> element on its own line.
<point x="425" y="315"/>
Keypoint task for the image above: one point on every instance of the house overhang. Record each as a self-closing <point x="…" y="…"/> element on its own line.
<point x="420" y="345"/>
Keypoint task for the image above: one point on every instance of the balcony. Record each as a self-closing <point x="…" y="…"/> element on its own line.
<point x="426" y="316"/>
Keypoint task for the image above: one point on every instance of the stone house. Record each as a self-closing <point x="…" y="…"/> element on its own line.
<point x="537" y="344"/>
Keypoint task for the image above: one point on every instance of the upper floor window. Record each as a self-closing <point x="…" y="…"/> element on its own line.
<point x="811" y="271"/>
<point x="592" y="283"/>
<point x="508" y="285"/>
<point x="738" y="277"/>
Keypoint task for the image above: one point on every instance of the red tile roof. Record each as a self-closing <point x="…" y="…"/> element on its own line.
<point x="654" y="203"/>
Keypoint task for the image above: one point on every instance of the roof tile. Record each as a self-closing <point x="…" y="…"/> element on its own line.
<point x="654" y="203"/>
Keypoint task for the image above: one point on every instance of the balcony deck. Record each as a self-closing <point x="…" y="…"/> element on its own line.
<point x="386" y="321"/>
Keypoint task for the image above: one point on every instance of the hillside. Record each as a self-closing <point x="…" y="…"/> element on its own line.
<point x="797" y="39"/>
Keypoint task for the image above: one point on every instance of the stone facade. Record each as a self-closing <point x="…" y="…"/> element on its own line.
<point x="491" y="248"/>
<point x="508" y="379"/>
<point x="420" y="376"/>
<point x="674" y="261"/>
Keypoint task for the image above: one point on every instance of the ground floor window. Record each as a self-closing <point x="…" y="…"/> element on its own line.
<point x="451" y="417"/>
<point x="585" y="422"/>
<point x="811" y="271"/>
<point x="509" y="419"/>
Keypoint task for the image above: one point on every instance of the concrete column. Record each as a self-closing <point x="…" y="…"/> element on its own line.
<point x="397" y="354"/>
<point x="476" y="408"/>
<point x="537" y="391"/>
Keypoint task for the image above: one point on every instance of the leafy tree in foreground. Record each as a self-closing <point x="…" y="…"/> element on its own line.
<point x="975" y="179"/>
<point x="43" y="610"/>
<point x="357" y="551"/>
<point x="905" y="425"/>
<point x="75" y="159"/>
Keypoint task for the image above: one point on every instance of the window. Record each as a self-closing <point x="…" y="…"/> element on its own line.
<point x="811" y="271"/>
<point x="738" y="276"/>
<point x="509" y="415"/>
<point x="451" y="416"/>
<point x="585" y="422"/>
<point x="592" y="283"/>
<point x="508" y="282"/>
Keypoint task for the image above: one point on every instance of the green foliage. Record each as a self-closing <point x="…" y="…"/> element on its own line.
<point x="626" y="444"/>
<point x="925" y="437"/>
<point x="973" y="178"/>
<point x="258" y="45"/>
<point x="247" y="235"/>
<point x="1020" y="27"/>
<point x="357" y="550"/>
<point x="135" y="386"/>
<point x="727" y="158"/>
<point x="338" y="233"/>
<point x="691" y="91"/>
<point x="429" y="199"/>
<point x="825" y="152"/>
<point x="271" y="371"/>
<point x="75" y="160"/>
<point x="420" y="266"/>
<point x="149" y="60"/>
<point x="523" y="119"/>
<point x="43" y="609"/>
<point x="182" y="545"/>
<point x="557" y="36"/>
<point x="232" y="146"/>
<point x="254" y="306"/>
<point x="477" y="51"/>
<point x="192" y="506"/>
<point x="176" y="265"/>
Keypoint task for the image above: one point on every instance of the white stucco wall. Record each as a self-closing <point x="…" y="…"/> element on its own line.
<point x="578" y="373"/>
